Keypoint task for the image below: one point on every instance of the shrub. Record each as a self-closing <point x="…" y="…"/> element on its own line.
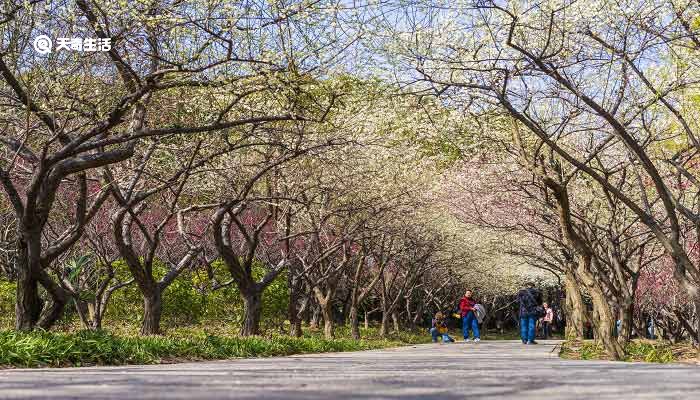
<point x="53" y="349"/>
<point x="7" y="304"/>
<point x="636" y="350"/>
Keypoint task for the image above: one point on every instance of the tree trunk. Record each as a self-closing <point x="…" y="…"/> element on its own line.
<point x="152" y="311"/>
<point x="252" y="307"/>
<point x="602" y="319"/>
<point x="354" y="318"/>
<point x="81" y="307"/>
<point x="51" y="314"/>
<point x="383" y="329"/>
<point x="28" y="304"/>
<point x="306" y="314"/>
<point x="395" y="320"/>
<point x="345" y="313"/>
<point x="574" y="308"/>
<point x="684" y="323"/>
<point x="697" y="327"/>
<point x="89" y="313"/>
<point x="366" y="320"/>
<point x="625" y="332"/>
<point x="417" y="317"/>
<point x="96" y="316"/>
<point x="315" y="317"/>
<point x="295" y="328"/>
<point x="327" y="311"/>
<point x="292" y="313"/>
<point x="355" y="322"/>
<point x="59" y="298"/>
<point x="604" y="323"/>
<point x="292" y="310"/>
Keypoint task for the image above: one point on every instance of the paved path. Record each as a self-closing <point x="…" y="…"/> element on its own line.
<point x="499" y="369"/>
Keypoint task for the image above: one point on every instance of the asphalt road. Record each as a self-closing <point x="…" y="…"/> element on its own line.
<point x="488" y="370"/>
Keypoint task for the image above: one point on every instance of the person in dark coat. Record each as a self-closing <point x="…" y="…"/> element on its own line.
<point x="530" y="300"/>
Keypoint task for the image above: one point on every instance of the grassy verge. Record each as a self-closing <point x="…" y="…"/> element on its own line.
<point x="54" y="349"/>
<point x="636" y="350"/>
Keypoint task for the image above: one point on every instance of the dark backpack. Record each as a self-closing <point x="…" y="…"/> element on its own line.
<point x="537" y="309"/>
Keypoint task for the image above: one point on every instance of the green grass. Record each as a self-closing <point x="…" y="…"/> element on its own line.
<point x="637" y="350"/>
<point x="54" y="349"/>
<point x="120" y="345"/>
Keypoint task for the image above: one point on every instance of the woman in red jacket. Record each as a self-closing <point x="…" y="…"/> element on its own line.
<point x="469" y="321"/>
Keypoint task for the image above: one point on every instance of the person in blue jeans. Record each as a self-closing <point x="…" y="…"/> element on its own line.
<point x="439" y="328"/>
<point x="527" y="329"/>
<point x="469" y="321"/>
<point x="529" y="299"/>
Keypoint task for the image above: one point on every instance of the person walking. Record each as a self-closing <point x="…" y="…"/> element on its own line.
<point x="469" y="320"/>
<point x="547" y="321"/>
<point x="530" y="301"/>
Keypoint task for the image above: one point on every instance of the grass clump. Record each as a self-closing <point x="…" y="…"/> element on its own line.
<point x="83" y="348"/>
<point x="635" y="351"/>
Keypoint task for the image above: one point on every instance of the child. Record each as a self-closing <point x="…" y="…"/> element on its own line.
<point x="439" y="327"/>
<point x="547" y="321"/>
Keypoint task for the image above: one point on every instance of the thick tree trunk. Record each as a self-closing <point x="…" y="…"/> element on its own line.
<point x="327" y="311"/>
<point x="626" y="314"/>
<point x="252" y="307"/>
<point x="603" y="319"/>
<point x="28" y="304"/>
<point x="152" y="312"/>
<point x="604" y="323"/>
<point x="574" y="308"/>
